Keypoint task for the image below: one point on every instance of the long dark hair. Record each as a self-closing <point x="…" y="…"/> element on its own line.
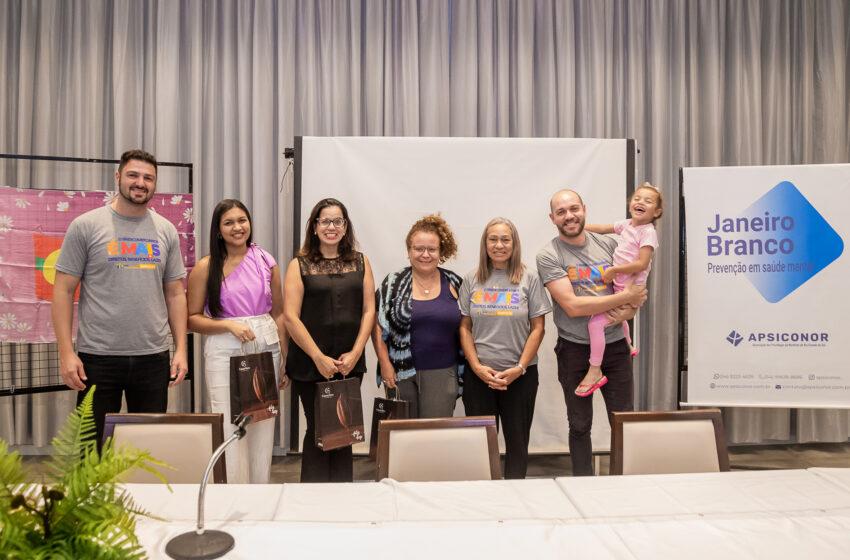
<point x="310" y="248"/>
<point x="218" y="252"/>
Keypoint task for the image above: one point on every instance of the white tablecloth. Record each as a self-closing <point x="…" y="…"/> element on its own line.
<point x="501" y="500"/>
<point x="648" y="496"/>
<point x="841" y="477"/>
<point x="764" y="514"/>
<point x="516" y="540"/>
<point x="741" y="537"/>
<point x="388" y="500"/>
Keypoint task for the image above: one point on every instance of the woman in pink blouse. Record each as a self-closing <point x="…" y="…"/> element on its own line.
<point x="235" y="298"/>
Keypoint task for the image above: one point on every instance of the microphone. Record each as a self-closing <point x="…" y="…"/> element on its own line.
<point x="241" y="421"/>
<point x="201" y="544"/>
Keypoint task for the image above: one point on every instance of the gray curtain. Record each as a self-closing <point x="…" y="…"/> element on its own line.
<point x="227" y="84"/>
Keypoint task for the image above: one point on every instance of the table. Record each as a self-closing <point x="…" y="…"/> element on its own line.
<point x="752" y="514"/>
<point x="646" y="497"/>
<point x="371" y="502"/>
<point x="840" y="477"/>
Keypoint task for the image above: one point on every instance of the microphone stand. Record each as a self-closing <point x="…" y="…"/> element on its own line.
<point x="201" y="544"/>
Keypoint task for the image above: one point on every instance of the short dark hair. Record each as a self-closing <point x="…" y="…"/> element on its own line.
<point x="140" y="155"/>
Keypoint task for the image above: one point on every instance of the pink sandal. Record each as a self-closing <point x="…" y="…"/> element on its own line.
<point x="591" y="388"/>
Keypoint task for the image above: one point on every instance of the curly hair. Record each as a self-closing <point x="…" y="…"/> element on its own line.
<point x="438" y="226"/>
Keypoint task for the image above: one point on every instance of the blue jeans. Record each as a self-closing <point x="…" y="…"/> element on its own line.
<point x="143" y="380"/>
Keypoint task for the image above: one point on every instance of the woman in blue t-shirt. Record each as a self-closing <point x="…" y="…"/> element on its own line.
<point x="416" y="334"/>
<point x="503" y="305"/>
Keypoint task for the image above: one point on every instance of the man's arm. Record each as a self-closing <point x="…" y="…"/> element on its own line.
<point x="620" y="314"/>
<point x="562" y="292"/>
<point x="62" y="313"/>
<point x="175" y="302"/>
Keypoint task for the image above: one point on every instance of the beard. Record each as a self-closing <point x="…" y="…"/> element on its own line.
<point x="125" y="194"/>
<point x="563" y="228"/>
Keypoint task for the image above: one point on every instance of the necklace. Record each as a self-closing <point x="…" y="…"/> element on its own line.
<point x="427" y="291"/>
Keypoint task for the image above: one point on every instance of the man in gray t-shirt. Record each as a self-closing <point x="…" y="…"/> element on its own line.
<point x="126" y="261"/>
<point x="570" y="266"/>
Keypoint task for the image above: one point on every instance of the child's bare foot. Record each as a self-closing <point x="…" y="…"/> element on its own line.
<point x="592" y="381"/>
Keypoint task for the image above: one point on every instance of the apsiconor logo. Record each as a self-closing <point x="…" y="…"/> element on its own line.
<point x="779" y="243"/>
<point x="734" y="338"/>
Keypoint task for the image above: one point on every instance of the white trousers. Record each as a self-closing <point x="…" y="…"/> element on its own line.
<point x="248" y="459"/>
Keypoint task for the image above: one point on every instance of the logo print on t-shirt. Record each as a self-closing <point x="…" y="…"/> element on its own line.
<point x="496" y="301"/>
<point x="133" y="252"/>
<point x="587" y="278"/>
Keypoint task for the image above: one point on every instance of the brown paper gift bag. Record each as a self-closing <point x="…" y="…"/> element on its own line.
<point x="386" y="409"/>
<point x="253" y="387"/>
<point x="339" y="414"/>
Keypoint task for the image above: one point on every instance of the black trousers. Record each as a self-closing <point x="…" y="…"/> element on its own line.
<point x="142" y="380"/>
<point x="618" y="393"/>
<point x="514" y="410"/>
<point x="318" y="465"/>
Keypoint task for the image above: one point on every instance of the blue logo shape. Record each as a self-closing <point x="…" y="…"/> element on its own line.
<point x="734" y="338"/>
<point x="807" y="242"/>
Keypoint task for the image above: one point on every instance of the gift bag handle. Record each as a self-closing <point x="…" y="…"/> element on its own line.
<point x="387" y="393"/>
<point x="256" y="347"/>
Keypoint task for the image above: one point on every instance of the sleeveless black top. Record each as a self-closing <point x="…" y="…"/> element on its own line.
<point x="332" y="310"/>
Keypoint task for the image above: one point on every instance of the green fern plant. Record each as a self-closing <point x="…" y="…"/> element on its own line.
<point x="80" y="510"/>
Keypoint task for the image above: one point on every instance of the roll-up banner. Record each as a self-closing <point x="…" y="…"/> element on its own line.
<point x="767" y="308"/>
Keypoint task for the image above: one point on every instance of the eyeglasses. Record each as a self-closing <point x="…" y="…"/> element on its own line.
<point x="326" y="223"/>
<point x="496" y="240"/>
<point x="419" y="250"/>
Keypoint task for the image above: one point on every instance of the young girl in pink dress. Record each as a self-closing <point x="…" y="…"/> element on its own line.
<point x="632" y="262"/>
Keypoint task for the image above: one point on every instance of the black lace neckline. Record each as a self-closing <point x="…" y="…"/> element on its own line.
<point x="335" y="265"/>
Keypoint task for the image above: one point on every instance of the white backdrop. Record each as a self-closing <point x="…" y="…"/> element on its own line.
<point x="388" y="183"/>
<point x="767" y="318"/>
